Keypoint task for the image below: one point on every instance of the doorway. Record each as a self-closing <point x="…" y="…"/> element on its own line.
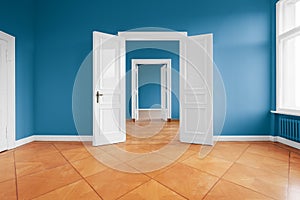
<point x="7" y="91"/>
<point x="163" y="110"/>
<point x="196" y="85"/>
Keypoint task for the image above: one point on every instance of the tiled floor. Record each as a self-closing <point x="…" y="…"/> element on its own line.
<point x="152" y="164"/>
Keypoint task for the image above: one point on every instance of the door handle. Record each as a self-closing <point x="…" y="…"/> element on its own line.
<point x="98" y="95"/>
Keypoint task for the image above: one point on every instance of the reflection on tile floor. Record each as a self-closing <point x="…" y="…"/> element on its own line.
<point x="151" y="164"/>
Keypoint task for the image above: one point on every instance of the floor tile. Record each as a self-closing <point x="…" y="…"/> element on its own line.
<point x="63" y="146"/>
<point x="150" y="162"/>
<point x="295" y="157"/>
<point x="74" y="191"/>
<point x="122" y="154"/>
<point x="107" y="159"/>
<point x="294" y="181"/>
<point x="187" y="154"/>
<point x="8" y="190"/>
<point x="35" y="148"/>
<point x="88" y="166"/>
<point x="152" y="190"/>
<point x="7" y="157"/>
<point x="75" y="154"/>
<point x="230" y="151"/>
<point x="265" y="163"/>
<point x="34" y="185"/>
<point x="225" y="190"/>
<point x="7" y="171"/>
<point x="195" y="147"/>
<point x="112" y="184"/>
<point x="173" y="151"/>
<point x="189" y="182"/>
<point x="209" y="164"/>
<point x="259" y="180"/>
<point x="269" y="150"/>
<point x="34" y="164"/>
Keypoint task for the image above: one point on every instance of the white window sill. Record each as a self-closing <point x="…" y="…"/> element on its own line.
<point x="291" y="113"/>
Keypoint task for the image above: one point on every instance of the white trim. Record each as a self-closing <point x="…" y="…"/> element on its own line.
<point x="147" y="109"/>
<point x="24" y="141"/>
<point x="63" y="138"/>
<point x="260" y="138"/>
<point x="72" y="138"/>
<point x="291" y="113"/>
<point x="282" y="36"/>
<point x="150" y="114"/>
<point x="11" y="105"/>
<point x="150" y="36"/>
<point x="53" y="138"/>
<point x="243" y="138"/>
<point x="287" y="142"/>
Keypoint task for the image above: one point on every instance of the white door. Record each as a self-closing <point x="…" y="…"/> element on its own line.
<point x="135" y="108"/>
<point x="3" y="96"/>
<point x="109" y="125"/>
<point x="196" y="90"/>
<point x="163" y="91"/>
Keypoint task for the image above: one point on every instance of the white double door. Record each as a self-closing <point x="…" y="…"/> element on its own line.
<point x="196" y="88"/>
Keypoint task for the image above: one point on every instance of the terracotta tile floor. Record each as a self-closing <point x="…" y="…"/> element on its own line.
<point x="152" y="164"/>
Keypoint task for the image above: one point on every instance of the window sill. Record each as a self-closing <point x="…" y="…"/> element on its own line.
<point x="290" y="113"/>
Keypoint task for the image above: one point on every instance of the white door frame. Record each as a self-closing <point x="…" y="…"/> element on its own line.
<point x="184" y="41"/>
<point x="11" y="116"/>
<point x="134" y="84"/>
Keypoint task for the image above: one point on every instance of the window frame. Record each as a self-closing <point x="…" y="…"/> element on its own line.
<point x="281" y="36"/>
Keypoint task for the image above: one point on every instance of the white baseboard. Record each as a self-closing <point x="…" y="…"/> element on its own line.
<point x="76" y="138"/>
<point x="287" y="142"/>
<point x="259" y="138"/>
<point x="63" y="138"/>
<point x="243" y="138"/>
<point x="53" y="138"/>
<point x="24" y="141"/>
<point x="150" y="114"/>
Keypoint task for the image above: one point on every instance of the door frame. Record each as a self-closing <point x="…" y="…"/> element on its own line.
<point x="134" y="84"/>
<point x="183" y="45"/>
<point x="11" y="104"/>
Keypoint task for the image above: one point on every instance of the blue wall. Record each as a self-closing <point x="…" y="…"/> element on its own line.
<point x="149" y="86"/>
<point x="17" y="19"/>
<point x="242" y="50"/>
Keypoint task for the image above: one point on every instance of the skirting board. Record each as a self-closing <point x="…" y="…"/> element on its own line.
<point x="261" y="138"/>
<point x="76" y="138"/>
<point x="52" y="138"/>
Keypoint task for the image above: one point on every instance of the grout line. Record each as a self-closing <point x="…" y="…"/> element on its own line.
<point x="16" y="177"/>
<point x="170" y="188"/>
<point x="132" y="189"/>
<point x="242" y="154"/>
<point x="46" y="154"/>
<point x="78" y="173"/>
<point x="249" y="189"/>
<point x="222" y="178"/>
<point x="49" y="169"/>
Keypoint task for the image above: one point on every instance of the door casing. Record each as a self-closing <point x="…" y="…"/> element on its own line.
<point x="183" y="41"/>
<point x="134" y="84"/>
